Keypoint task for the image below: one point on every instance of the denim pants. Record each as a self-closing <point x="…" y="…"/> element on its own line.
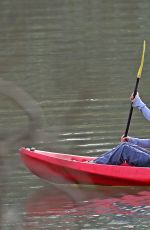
<point x="125" y="152"/>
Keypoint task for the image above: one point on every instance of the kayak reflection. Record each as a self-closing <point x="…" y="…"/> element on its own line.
<point x="70" y="200"/>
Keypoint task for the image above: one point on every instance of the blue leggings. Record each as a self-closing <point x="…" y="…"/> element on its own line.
<point x="125" y="152"/>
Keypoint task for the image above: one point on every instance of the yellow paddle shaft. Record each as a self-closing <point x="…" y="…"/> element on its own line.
<point x="142" y="61"/>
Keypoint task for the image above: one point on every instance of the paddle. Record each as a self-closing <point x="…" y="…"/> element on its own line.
<point x="135" y="89"/>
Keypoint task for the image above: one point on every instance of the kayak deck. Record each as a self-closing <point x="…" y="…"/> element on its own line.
<point x="72" y="169"/>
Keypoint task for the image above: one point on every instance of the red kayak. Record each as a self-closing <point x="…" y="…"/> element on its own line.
<point x="71" y="169"/>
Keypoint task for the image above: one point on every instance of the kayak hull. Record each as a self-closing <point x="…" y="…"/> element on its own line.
<point x="71" y="169"/>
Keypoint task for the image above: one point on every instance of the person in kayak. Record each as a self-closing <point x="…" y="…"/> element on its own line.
<point x="131" y="150"/>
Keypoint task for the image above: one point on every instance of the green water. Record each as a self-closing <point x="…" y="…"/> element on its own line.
<point x="67" y="69"/>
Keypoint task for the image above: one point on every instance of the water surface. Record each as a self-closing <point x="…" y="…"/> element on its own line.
<point x="67" y="69"/>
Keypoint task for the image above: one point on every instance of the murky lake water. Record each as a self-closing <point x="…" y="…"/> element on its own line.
<point x="67" y="68"/>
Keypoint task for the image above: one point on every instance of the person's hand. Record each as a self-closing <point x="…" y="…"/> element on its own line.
<point x="132" y="98"/>
<point x="124" y="139"/>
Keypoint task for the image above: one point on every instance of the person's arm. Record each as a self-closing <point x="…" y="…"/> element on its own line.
<point x="141" y="106"/>
<point x="144" y="143"/>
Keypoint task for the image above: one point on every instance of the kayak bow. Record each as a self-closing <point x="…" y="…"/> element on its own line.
<point x="71" y="169"/>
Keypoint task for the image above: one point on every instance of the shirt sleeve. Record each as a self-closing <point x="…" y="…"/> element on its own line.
<point x="145" y="143"/>
<point x="138" y="103"/>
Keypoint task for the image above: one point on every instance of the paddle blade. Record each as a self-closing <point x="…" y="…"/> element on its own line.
<point x="142" y="61"/>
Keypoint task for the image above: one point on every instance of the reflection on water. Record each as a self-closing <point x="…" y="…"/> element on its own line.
<point x="74" y="63"/>
<point x="85" y="208"/>
<point x="50" y="207"/>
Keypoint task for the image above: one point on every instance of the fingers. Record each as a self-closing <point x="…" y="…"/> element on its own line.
<point x="124" y="139"/>
<point x="132" y="97"/>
